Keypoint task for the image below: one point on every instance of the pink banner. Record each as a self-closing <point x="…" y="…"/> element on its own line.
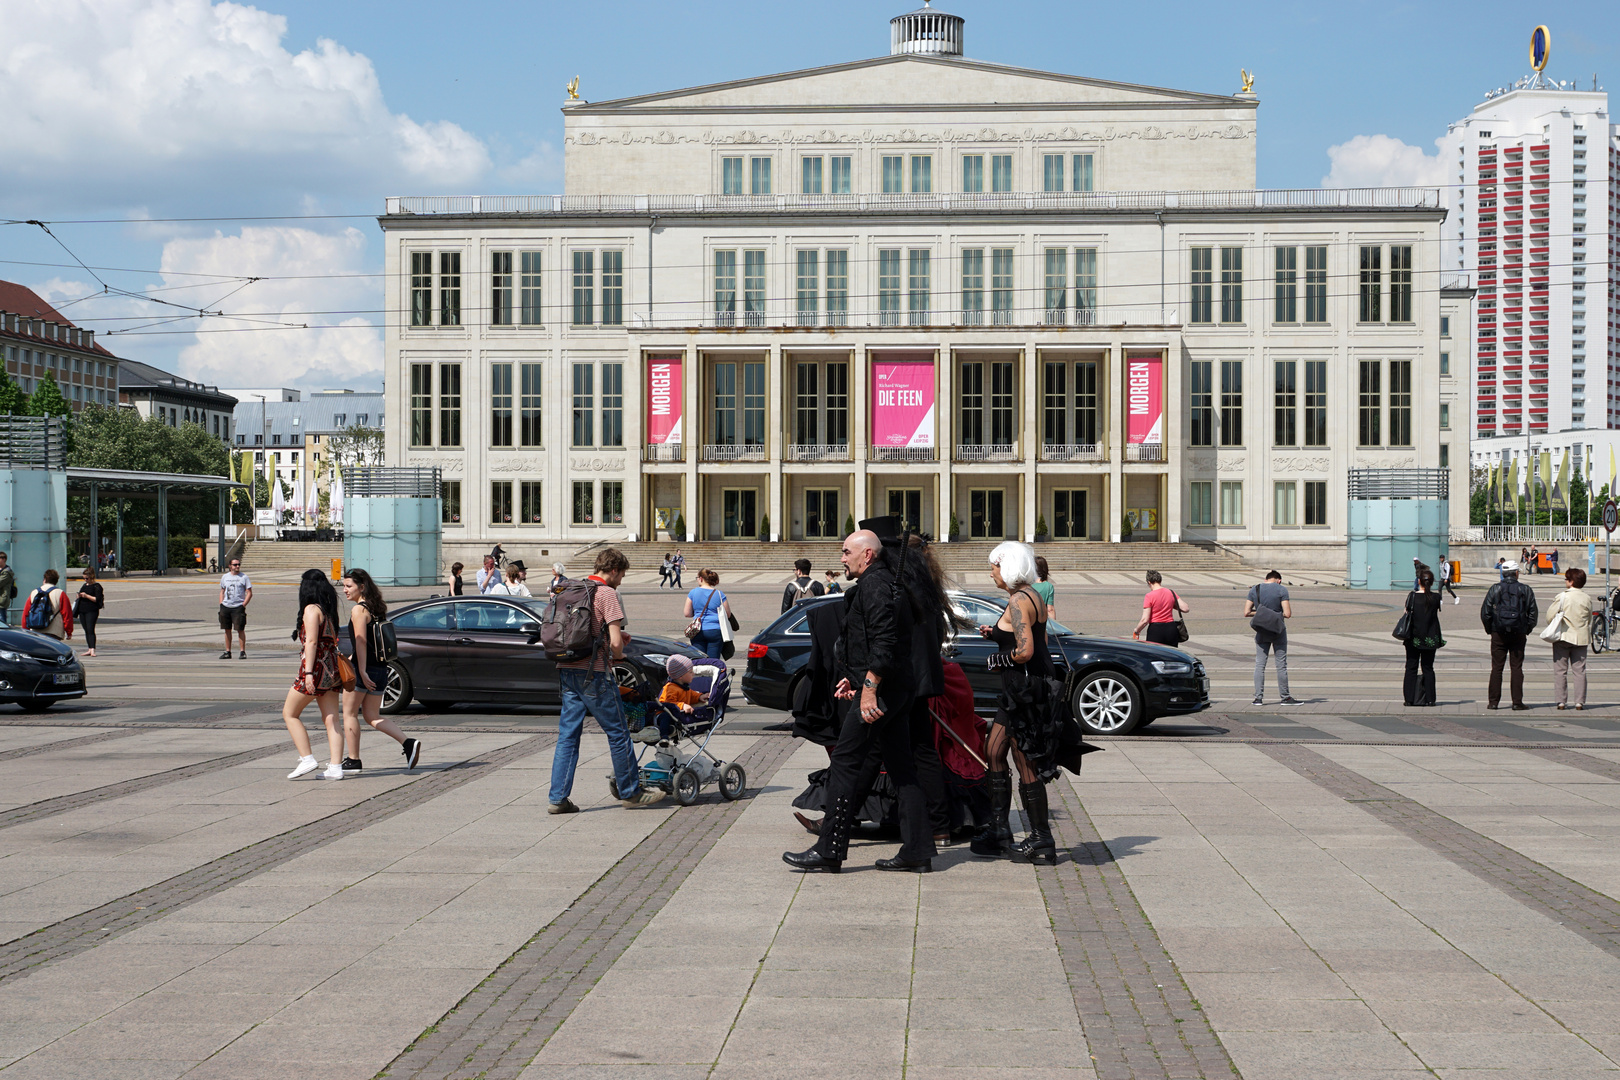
<point x="1144" y="399"/>
<point x="903" y="402"/>
<point x="664" y="400"/>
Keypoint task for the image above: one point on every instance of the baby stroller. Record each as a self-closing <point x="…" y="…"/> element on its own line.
<point x="681" y="763"/>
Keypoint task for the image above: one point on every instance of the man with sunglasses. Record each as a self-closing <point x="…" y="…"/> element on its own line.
<point x="235" y="593"/>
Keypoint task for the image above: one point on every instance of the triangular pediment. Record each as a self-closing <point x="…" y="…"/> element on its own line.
<point x="907" y="81"/>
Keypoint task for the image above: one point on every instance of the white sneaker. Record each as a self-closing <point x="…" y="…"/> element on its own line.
<point x="306" y="765"/>
<point x="334" y="771"/>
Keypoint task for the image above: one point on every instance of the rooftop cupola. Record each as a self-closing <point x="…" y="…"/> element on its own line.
<point x="925" y="32"/>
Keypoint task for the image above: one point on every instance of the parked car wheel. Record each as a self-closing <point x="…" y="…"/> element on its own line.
<point x="397" y="692"/>
<point x="1107" y="703"/>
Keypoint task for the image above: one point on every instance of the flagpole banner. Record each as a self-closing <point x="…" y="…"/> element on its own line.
<point x="903" y="399"/>
<point x="1144" y="399"/>
<point x="1560" y="491"/>
<point x="664" y="400"/>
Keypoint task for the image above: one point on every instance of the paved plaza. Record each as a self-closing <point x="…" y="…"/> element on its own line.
<point x="1345" y="889"/>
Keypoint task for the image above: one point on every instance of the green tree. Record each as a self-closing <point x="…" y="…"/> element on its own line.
<point x="13" y="402"/>
<point x="356" y="445"/>
<point x="47" y="400"/>
<point x="111" y="438"/>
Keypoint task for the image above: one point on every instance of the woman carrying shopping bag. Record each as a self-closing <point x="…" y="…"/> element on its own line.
<point x="1571" y="615"/>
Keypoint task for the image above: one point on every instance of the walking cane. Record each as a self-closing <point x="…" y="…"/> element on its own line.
<point x="983" y="764"/>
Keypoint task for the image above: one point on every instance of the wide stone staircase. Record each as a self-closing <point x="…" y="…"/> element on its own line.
<point x="960" y="559"/>
<point x="269" y="556"/>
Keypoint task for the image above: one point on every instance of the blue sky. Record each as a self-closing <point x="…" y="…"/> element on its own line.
<point x="157" y="109"/>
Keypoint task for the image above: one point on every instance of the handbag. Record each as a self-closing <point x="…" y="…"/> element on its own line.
<point x="728" y="647"/>
<point x="1403" y="625"/>
<point x="1182" y="633"/>
<point x="346" y="673"/>
<point x="695" y="627"/>
<point x="1555" y="627"/>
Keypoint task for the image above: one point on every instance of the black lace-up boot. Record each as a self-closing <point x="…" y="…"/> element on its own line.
<point x="828" y="856"/>
<point x="1038" y="846"/>
<point x="994" y="840"/>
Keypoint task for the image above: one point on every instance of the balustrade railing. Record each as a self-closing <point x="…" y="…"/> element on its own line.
<point x="978" y="452"/>
<point x="663" y="452"/>
<point x="1145" y="452"/>
<point x="1080" y="452"/>
<point x="733" y="452"/>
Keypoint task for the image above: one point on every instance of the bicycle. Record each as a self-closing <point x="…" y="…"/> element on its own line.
<point x="1603" y="625"/>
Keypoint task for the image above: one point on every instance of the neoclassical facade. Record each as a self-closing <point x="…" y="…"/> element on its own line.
<point x="986" y="298"/>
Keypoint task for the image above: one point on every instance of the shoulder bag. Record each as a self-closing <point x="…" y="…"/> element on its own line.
<point x="1403" y="625"/>
<point x="1555" y="625"/>
<point x="1182" y="633"/>
<point x="695" y="627"/>
<point x="728" y="647"/>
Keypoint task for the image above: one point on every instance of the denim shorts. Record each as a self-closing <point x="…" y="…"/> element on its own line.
<point x="379" y="679"/>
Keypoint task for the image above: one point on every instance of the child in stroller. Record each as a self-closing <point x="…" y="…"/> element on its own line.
<point x="679" y="725"/>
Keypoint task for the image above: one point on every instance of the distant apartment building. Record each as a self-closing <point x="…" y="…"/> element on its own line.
<point x="175" y="400"/>
<point x="1533" y="175"/>
<point x="294" y="433"/>
<point x="37" y="340"/>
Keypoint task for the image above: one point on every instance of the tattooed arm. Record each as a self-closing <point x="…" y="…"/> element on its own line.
<point x="1021" y="612"/>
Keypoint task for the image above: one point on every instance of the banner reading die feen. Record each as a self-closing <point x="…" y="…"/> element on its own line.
<point x="664" y="400"/>
<point x="1144" y="398"/>
<point x="903" y="399"/>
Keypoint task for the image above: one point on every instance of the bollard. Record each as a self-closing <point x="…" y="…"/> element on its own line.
<point x="337" y="569"/>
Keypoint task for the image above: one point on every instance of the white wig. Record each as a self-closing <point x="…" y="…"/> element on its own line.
<point x="1017" y="562"/>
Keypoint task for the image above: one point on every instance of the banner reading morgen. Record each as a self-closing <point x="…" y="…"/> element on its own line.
<point x="664" y="400"/>
<point x="1144" y="399"/>
<point x="903" y="399"/>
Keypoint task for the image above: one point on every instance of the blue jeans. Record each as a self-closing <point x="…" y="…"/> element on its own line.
<point x="709" y="641"/>
<point x="594" y="692"/>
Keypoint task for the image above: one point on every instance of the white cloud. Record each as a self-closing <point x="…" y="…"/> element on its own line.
<point x="1382" y="161"/>
<point x="125" y="100"/>
<point x="305" y="284"/>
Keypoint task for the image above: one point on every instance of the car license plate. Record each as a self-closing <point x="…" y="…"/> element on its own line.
<point x="66" y="678"/>
<point x="1206" y="686"/>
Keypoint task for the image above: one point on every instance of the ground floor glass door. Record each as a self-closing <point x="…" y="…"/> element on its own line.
<point x="739" y="508"/>
<point x="985" y="513"/>
<point x="821" y="515"/>
<point x="906" y="504"/>
<point x="1069" y="514"/>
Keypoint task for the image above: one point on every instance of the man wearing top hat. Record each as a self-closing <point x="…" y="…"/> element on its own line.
<point x="877" y="685"/>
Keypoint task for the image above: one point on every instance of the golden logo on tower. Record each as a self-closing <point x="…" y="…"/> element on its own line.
<point x="1540" y="46"/>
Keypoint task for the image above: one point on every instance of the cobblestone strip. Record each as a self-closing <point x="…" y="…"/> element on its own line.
<point x="85" y="931"/>
<point x="63" y="803"/>
<point x="496" y="1030"/>
<point x="67" y="744"/>
<point x="1584" y="911"/>
<point x="1137" y="1014"/>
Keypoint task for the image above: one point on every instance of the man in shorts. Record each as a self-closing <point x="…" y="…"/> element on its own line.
<point x="235" y="592"/>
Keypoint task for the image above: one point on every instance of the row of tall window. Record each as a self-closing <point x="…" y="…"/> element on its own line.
<point x="914" y="173"/>
<point x="515" y="405"/>
<point x="520" y="502"/>
<point x="987" y="396"/>
<point x="1286" y="503"/>
<point x="1380" y="297"/>
<point x="905" y="286"/>
<point x="1299" y="403"/>
<point x="905" y="283"/>
<point x="516" y="284"/>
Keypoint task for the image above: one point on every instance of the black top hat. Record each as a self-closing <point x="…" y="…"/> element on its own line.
<point x="518" y="563"/>
<point x="887" y="528"/>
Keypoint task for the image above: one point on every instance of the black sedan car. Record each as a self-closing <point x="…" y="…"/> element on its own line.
<point x="487" y="649"/>
<point x="36" y="670"/>
<point x="1114" y="686"/>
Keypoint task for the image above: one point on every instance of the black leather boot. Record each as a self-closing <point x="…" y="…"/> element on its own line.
<point x="828" y="856"/>
<point x="1038" y="846"/>
<point x="994" y="840"/>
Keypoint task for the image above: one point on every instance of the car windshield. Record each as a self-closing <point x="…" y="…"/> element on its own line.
<point x="985" y="612"/>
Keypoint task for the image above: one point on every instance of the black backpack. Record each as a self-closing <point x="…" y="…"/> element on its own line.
<point x="568" y="629"/>
<point x="1510" y="614"/>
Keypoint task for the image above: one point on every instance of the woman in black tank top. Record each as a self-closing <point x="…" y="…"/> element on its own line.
<point x="1022" y="728"/>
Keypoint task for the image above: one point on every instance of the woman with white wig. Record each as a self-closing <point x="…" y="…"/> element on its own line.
<point x="1023" y="725"/>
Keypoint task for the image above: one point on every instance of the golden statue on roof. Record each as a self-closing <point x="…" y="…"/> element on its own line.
<point x="1248" y="81"/>
<point x="573" y="89"/>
